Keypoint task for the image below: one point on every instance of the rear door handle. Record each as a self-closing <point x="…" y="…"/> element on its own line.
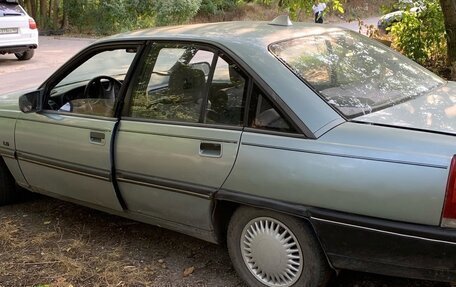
<point x="97" y="138"/>
<point x="210" y="149"/>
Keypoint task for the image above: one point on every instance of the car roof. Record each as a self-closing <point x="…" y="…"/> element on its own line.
<point x="249" y="41"/>
<point x="226" y="33"/>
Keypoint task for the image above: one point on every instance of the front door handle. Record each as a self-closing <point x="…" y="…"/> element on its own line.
<point x="97" y="138"/>
<point x="210" y="149"/>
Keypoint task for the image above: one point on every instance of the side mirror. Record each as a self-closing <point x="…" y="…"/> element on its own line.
<point x="31" y="102"/>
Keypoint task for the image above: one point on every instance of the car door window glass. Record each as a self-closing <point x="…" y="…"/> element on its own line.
<point x="93" y="87"/>
<point x="264" y="115"/>
<point x="226" y="95"/>
<point x="173" y="84"/>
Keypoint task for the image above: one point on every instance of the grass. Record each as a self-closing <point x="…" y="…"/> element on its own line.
<point x="51" y="243"/>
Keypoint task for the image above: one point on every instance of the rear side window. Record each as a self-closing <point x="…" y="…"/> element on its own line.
<point x="7" y="9"/>
<point x="227" y="94"/>
<point x="265" y="116"/>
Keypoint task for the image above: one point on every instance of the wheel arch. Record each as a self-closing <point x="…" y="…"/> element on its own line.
<point x="227" y="202"/>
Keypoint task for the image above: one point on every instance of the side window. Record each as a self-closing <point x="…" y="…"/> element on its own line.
<point x="226" y="94"/>
<point x="173" y="84"/>
<point x="93" y="87"/>
<point x="263" y="114"/>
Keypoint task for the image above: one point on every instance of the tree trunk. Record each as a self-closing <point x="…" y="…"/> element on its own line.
<point x="56" y="14"/>
<point x="43" y="12"/>
<point x="28" y="7"/>
<point x="56" y="11"/>
<point x="449" y="14"/>
<point x="65" y="18"/>
<point x="34" y="9"/>
<point x="50" y="5"/>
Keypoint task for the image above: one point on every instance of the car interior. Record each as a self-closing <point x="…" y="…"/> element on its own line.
<point x="178" y="93"/>
<point x="93" y="87"/>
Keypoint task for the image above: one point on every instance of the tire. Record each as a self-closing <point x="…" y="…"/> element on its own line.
<point x="260" y="247"/>
<point x="26" y="55"/>
<point x="8" y="192"/>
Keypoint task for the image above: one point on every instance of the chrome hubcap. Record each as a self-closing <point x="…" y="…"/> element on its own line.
<point x="271" y="252"/>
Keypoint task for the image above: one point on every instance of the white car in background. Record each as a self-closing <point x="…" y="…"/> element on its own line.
<point x="18" y="31"/>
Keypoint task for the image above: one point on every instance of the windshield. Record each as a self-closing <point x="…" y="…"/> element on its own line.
<point x="354" y="74"/>
<point x="9" y="9"/>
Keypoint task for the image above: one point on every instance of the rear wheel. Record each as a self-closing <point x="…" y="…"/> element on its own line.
<point x="275" y="250"/>
<point x="26" y="55"/>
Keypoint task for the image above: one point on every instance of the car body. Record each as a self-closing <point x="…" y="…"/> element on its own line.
<point x="18" y="31"/>
<point x="307" y="148"/>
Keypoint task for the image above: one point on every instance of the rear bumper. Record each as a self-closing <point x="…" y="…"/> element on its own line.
<point x="25" y="40"/>
<point x="386" y="247"/>
<point x="17" y="49"/>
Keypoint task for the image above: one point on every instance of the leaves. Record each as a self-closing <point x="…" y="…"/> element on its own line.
<point x="421" y="35"/>
<point x="296" y="7"/>
<point x="188" y="271"/>
<point x="175" y="11"/>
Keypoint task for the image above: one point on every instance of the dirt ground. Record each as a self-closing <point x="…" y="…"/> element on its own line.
<point x="47" y="242"/>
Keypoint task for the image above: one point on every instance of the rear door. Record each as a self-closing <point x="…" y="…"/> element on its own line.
<point x="179" y="136"/>
<point x="65" y="150"/>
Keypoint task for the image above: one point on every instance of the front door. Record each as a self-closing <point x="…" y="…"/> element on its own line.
<point x="180" y="133"/>
<point x="66" y="149"/>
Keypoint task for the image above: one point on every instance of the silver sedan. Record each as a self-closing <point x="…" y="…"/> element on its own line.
<point x="306" y="148"/>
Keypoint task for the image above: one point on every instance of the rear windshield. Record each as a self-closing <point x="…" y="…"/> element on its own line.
<point x="354" y="74"/>
<point x="9" y="9"/>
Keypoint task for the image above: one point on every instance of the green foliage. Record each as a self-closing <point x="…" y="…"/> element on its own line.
<point x="175" y="11"/>
<point x="213" y="7"/>
<point x="108" y="17"/>
<point x="421" y="35"/>
<point x="338" y="6"/>
<point x="296" y="7"/>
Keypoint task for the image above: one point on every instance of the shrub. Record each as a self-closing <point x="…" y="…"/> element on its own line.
<point x="213" y="7"/>
<point x="175" y="11"/>
<point x="421" y="35"/>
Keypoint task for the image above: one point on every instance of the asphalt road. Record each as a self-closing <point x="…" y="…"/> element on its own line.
<point x="50" y="55"/>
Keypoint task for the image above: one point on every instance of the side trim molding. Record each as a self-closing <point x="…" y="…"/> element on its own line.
<point x="383" y="231"/>
<point x="9" y="153"/>
<point x="263" y="202"/>
<point x="385" y="226"/>
<point x="166" y="184"/>
<point x="65" y="166"/>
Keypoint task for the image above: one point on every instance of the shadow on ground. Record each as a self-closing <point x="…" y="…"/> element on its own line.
<point x="46" y="241"/>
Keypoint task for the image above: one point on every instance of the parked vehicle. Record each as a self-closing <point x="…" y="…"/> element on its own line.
<point x="306" y="148"/>
<point x="385" y="22"/>
<point x="18" y="31"/>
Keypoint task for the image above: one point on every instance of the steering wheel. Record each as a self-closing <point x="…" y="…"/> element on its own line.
<point x="99" y="89"/>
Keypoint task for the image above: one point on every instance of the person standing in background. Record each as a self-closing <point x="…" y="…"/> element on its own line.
<point x="318" y="9"/>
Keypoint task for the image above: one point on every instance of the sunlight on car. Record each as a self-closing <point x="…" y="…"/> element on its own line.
<point x="305" y="149"/>
<point x="354" y="75"/>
